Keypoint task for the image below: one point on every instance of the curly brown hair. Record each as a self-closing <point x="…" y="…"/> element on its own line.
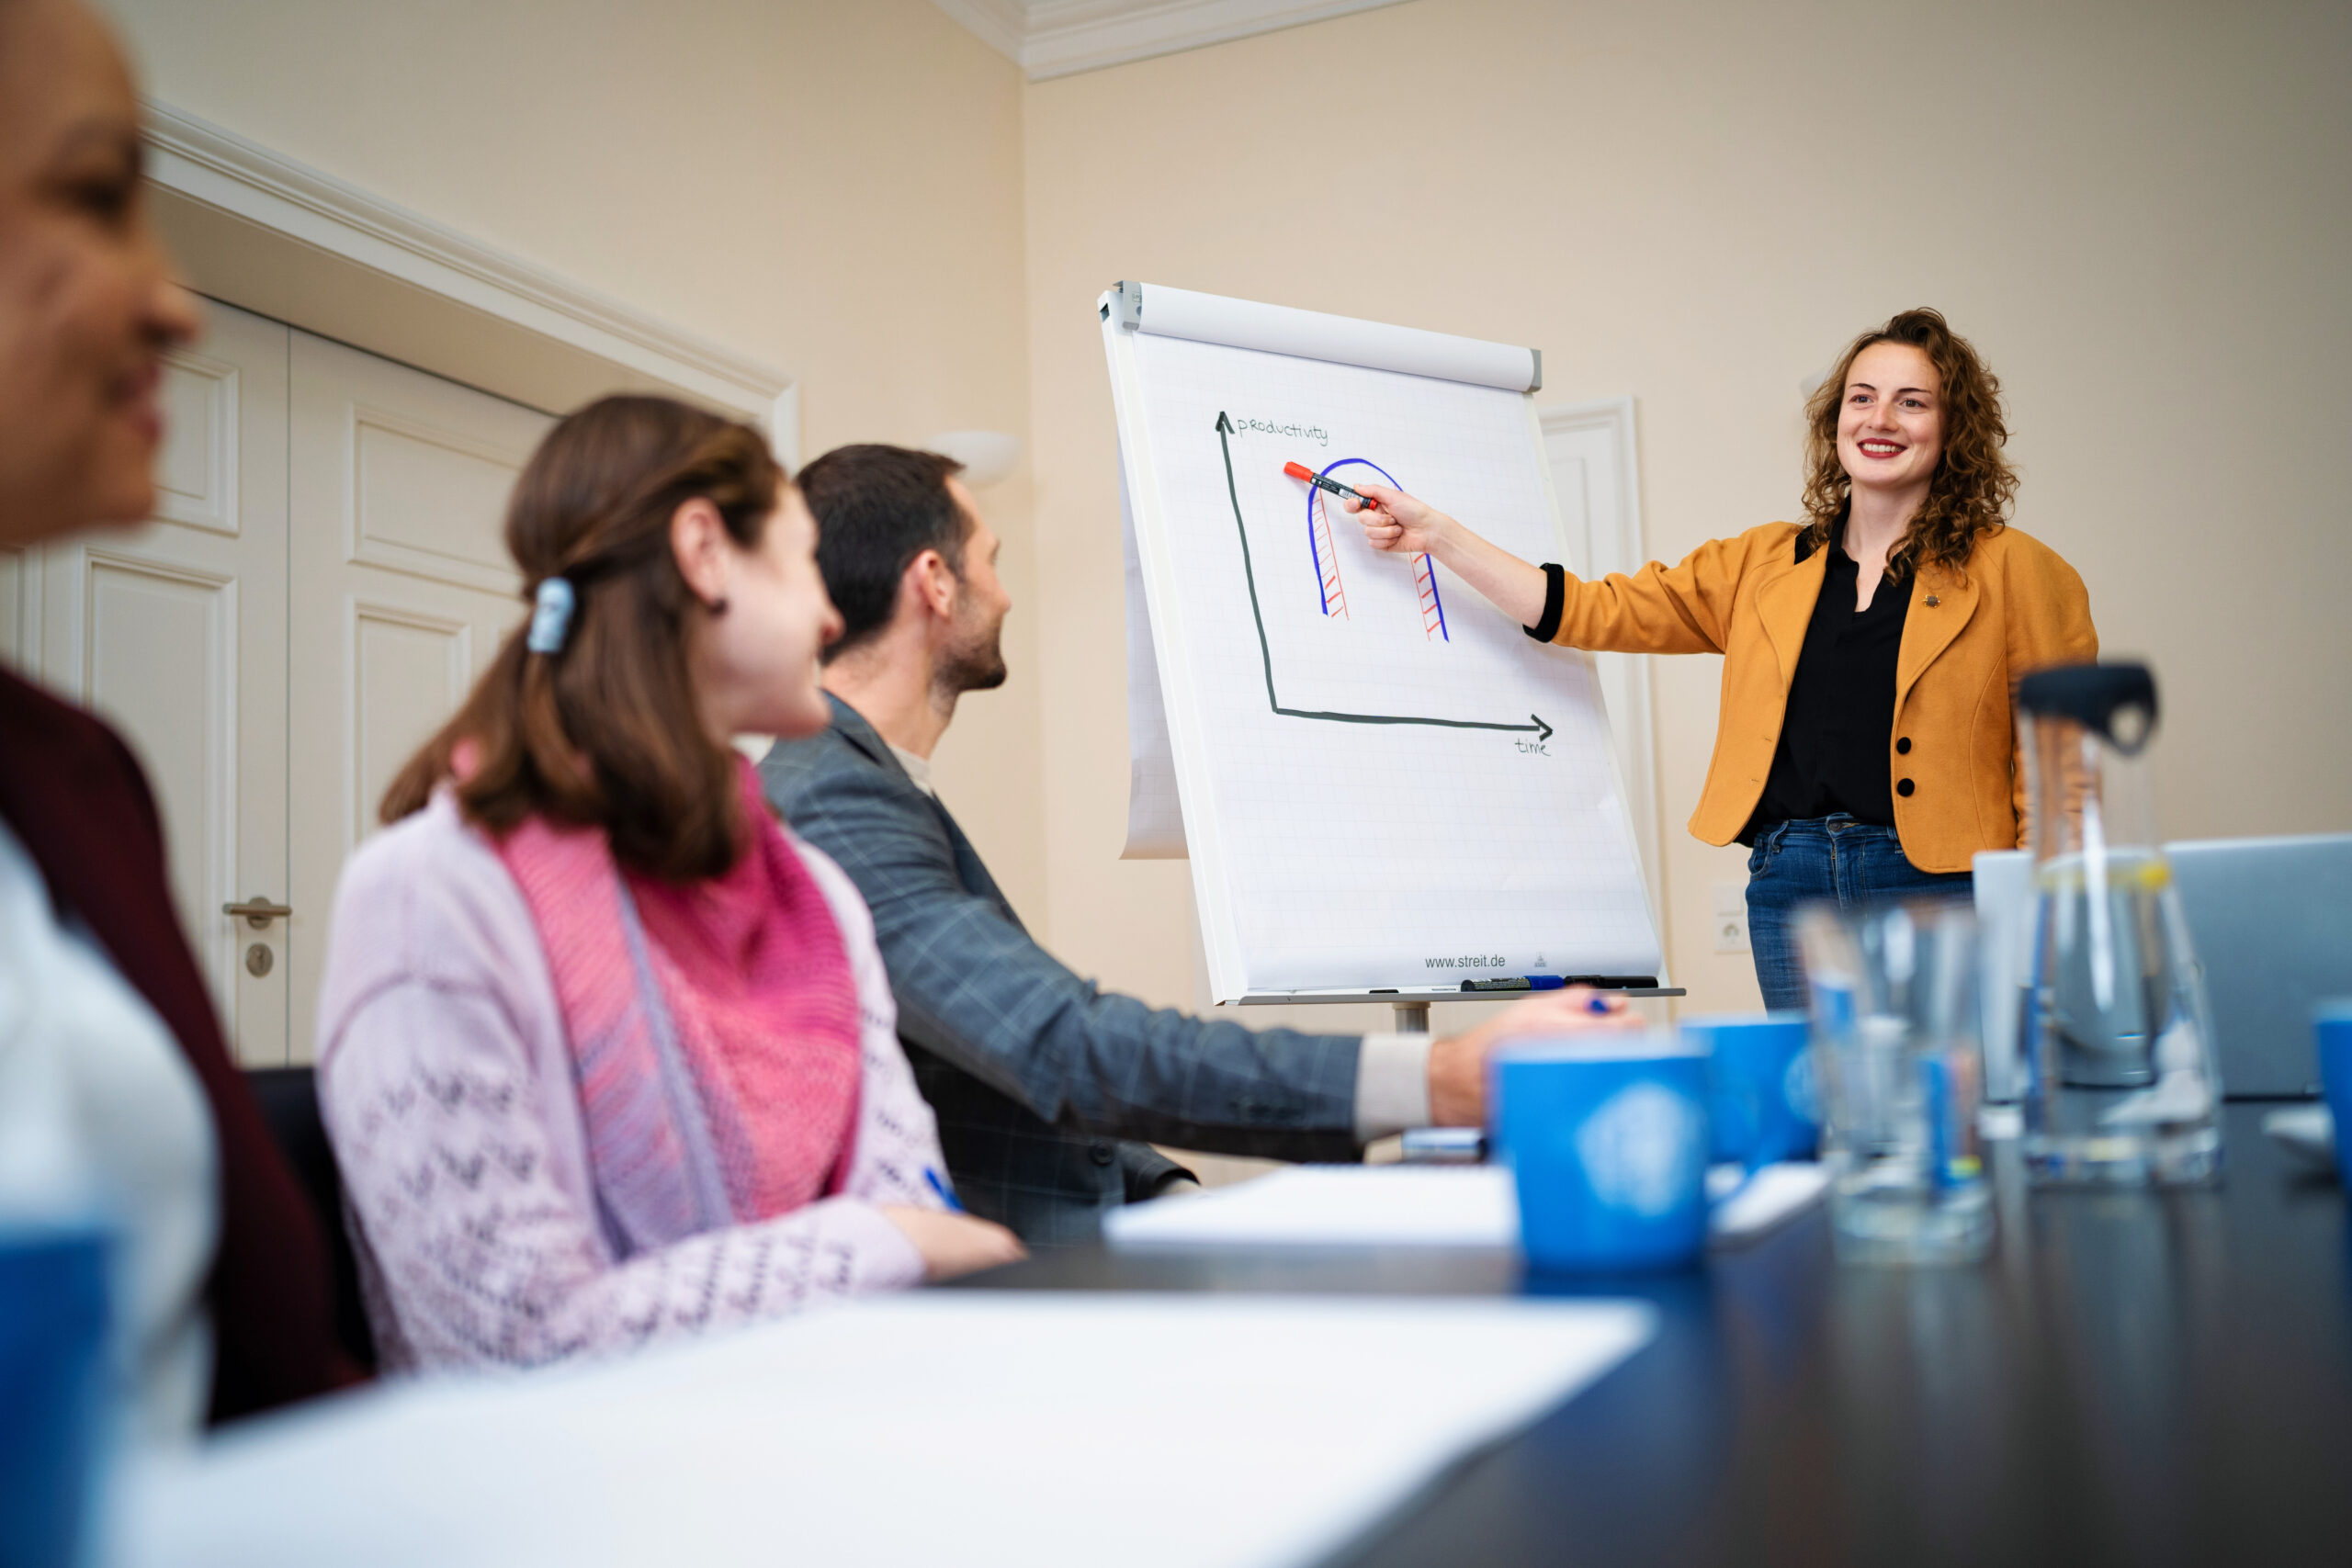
<point x="1969" y="493"/>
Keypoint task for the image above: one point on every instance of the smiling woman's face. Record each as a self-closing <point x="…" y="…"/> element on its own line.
<point x="87" y="301"/>
<point x="1891" y="424"/>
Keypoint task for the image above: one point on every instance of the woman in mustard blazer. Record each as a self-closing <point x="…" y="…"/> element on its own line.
<point x="1866" y="746"/>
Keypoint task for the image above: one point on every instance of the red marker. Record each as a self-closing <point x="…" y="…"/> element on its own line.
<point x="1301" y="471"/>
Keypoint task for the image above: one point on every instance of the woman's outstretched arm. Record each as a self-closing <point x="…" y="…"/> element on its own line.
<point x="1678" y="609"/>
<point x="1398" y="524"/>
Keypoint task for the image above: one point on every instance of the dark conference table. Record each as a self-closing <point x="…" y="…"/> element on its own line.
<point x="2132" y="1378"/>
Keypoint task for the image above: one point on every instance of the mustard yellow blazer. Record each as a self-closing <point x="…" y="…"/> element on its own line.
<point x="1966" y="640"/>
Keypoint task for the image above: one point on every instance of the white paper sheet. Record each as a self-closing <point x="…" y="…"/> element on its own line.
<point x="1029" y="1429"/>
<point x="1388" y="1205"/>
<point x="1334" y="1205"/>
<point x="1773" y="1194"/>
<point x="1154" y="818"/>
<point x="1395" y="786"/>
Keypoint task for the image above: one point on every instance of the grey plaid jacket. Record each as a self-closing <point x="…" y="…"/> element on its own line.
<point x="1035" y="1074"/>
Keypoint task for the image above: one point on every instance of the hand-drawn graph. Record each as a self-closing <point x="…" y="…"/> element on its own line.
<point x="1433" y="611"/>
<point x="1327" y="555"/>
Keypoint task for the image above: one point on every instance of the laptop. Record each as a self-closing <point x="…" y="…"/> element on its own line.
<point x="2271" y="921"/>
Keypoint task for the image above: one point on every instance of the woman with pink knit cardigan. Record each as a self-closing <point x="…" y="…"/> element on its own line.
<point x="609" y="1057"/>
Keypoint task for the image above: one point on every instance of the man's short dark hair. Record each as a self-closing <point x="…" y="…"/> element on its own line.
<point x="877" y="508"/>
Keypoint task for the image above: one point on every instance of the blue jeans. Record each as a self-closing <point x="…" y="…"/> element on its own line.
<point x="1827" y="859"/>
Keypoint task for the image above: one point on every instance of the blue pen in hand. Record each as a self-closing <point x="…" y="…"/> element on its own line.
<point x="945" y="1195"/>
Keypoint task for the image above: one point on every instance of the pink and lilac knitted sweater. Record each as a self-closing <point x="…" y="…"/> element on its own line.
<point x="447" y="1089"/>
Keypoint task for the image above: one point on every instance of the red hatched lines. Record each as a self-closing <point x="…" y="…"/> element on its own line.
<point x="1432" y="609"/>
<point x="1327" y="564"/>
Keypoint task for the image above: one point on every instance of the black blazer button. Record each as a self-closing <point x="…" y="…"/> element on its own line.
<point x="1103" y="1153"/>
<point x="1903" y="786"/>
<point x="1902" y="747"/>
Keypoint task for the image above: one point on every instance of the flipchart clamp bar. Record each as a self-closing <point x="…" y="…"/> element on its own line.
<point x="1126" y="307"/>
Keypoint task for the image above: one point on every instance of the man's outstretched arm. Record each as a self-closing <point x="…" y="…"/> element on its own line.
<point x="974" y="989"/>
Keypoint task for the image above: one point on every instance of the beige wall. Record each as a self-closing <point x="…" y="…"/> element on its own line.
<point x="835" y="189"/>
<point x="2143" y="214"/>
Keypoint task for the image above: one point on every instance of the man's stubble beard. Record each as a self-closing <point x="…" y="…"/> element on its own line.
<point x="977" y="666"/>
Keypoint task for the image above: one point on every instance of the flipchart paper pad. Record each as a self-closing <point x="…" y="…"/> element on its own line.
<point x="1384" y="781"/>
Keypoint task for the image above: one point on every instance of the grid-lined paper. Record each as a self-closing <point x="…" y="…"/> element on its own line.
<point x="1362" y="855"/>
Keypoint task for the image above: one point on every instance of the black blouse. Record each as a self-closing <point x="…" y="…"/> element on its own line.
<point x="1840" y="717"/>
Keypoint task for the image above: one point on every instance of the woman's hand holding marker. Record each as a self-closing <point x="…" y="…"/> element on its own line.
<point x="1396" y="522"/>
<point x="1392" y="520"/>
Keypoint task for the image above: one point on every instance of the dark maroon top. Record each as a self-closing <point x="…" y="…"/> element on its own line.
<point x="71" y="793"/>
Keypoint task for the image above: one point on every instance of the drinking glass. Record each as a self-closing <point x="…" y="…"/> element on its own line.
<point x="1899" y="1062"/>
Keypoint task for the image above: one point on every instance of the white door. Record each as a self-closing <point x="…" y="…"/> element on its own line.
<point x="177" y="633"/>
<point x="402" y="591"/>
<point x="326" y="573"/>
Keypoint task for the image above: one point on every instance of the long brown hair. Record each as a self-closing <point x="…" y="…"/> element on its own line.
<point x="607" y="732"/>
<point x="1969" y="493"/>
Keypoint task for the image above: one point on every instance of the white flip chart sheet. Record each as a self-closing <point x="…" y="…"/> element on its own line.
<point x="1385" y="784"/>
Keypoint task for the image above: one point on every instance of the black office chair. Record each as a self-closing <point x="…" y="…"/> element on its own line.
<point x="290" y="1103"/>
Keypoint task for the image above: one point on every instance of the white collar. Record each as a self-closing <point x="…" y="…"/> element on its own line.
<point x="918" y="769"/>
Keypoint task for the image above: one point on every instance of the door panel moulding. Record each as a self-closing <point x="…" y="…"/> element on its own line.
<point x="212" y="504"/>
<point x="455" y="648"/>
<point x="290" y="241"/>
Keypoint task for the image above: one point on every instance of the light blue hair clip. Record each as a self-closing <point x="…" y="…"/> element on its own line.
<point x="552" y="616"/>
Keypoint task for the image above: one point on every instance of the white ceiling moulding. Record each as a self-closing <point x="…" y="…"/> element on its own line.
<point x="1062" y="37"/>
<point x="278" y="237"/>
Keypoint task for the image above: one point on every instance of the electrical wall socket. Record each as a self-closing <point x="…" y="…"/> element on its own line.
<point x="1731" y="916"/>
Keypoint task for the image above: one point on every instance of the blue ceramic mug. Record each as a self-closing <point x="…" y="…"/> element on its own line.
<point x="1606" y="1137"/>
<point x="2335" y="1025"/>
<point x="1761" y="1101"/>
<point x="55" y="1382"/>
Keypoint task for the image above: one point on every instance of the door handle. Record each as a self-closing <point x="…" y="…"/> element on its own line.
<point x="258" y="910"/>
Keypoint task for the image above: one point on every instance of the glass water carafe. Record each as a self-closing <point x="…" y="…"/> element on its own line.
<point x="2121" y="1086"/>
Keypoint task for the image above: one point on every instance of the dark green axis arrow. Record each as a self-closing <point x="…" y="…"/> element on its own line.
<point x="1541" y="730"/>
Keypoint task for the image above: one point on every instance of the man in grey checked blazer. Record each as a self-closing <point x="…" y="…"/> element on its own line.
<point x="1044" y="1085"/>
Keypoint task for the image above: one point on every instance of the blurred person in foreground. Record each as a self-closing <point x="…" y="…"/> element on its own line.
<point x="607" y="1057"/>
<point x="110" y="1052"/>
<point x="1044" y="1084"/>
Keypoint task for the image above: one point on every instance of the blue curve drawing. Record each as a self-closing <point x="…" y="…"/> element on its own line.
<point x="1316" y="550"/>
